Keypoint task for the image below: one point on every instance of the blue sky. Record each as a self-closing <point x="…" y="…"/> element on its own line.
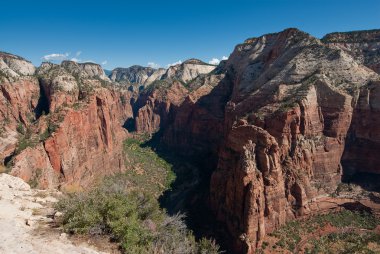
<point x="123" y="33"/>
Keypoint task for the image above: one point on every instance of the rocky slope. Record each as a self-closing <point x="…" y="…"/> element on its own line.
<point x="277" y="125"/>
<point x="157" y="105"/>
<point x="279" y="122"/>
<point x="19" y="98"/>
<point x="24" y="219"/>
<point x="144" y="76"/>
<point x="14" y="66"/>
<point x="134" y="75"/>
<point x="187" y="70"/>
<point x="63" y="125"/>
<point x="364" y="46"/>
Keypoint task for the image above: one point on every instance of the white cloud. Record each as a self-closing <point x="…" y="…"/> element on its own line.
<point x="78" y="53"/>
<point x="214" y="61"/>
<point x="172" y="64"/>
<point x="55" y="57"/>
<point x="75" y="59"/>
<point x="104" y="62"/>
<point x="153" y="65"/>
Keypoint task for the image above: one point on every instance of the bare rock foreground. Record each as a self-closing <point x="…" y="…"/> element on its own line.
<point x="23" y="220"/>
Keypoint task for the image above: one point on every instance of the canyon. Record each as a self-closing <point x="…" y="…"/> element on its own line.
<point x="278" y="125"/>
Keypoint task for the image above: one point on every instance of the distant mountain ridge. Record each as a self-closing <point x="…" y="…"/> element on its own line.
<point x="144" y="76"/>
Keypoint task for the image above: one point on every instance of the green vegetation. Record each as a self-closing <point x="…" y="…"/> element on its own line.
<point x="158" y="84"/>
<point x="76" y="105"/>
<point x="290" y="234"/>
<point x="26" y="140"/>
<point x="123" y="100"/>
<point x="34" y="180"/>
<point x="145" y="169"/>
<point x="20" y="128"/>
<point x="125" y="208"/>
<point x="52" y="127"/>
<point x="347" y="242"/>
<point x="131" y="217"/>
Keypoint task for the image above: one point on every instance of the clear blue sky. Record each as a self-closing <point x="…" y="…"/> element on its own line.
<point x="123" y="33"/>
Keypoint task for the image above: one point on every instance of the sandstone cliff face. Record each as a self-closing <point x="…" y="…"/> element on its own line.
<point x="14" y="66"/>
<point x="277" y="122"/>
<point x="77" y="136"/>
<point x="197" y="128"/>
<point x="145" y="76"/>
<point x="156" y="75"/>
<point x="188" y="70"/>
<point x="363" y="142"/>
<point x="156" y="105"/>
<point x="134" y="74"/>
<point x="294" y="95"/>
<point x="280" y="122"/>
<point x="19" y="93"/>
<point x="364" y="46"/>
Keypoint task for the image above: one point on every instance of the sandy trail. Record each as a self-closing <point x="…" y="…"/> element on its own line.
<point x="23" y="220"/>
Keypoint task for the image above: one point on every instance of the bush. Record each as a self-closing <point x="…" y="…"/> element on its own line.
<point x="20" y="129"/>
<point x="146" y="170"/>
<point x="133" y="218"/>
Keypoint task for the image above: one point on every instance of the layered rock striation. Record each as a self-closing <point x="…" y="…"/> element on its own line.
<point x="63" y="124"/>
<point x="364" y="46"/>
<point x="277" y="124"/>
<point x="144" y="76"/>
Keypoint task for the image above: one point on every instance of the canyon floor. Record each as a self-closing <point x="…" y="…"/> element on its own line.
<point x="25" y="221"/>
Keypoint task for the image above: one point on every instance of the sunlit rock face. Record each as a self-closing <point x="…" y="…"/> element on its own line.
<point x="277" y="122"/>
<point x="64" y="124"/>
<point x="364" y="46"/>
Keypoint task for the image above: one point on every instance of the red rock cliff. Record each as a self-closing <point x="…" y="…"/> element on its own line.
<point x="80" y="138"/>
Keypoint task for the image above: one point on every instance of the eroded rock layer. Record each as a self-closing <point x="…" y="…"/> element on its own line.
<point x="277" y="122"/>
<point x="63" y="124"/>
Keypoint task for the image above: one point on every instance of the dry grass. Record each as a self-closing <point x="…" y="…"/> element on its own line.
<point x="3" y="169"/>
<point x="37" y="211"/>
<point x="72" y="188"/>
<point x="41" y="194"/>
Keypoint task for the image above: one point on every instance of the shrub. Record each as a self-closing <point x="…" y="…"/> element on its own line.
<point x="20" y="129"/>
<point x="131" y="217"/>
<point x="146" y="170"/>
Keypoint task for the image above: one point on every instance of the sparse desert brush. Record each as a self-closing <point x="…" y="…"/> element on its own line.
<point x="131" y="217"/>
<point x="41" y="194"/>
<point x="72" y="188"/>
<point x="37" y="211"/>
<point x="3" y="169"/>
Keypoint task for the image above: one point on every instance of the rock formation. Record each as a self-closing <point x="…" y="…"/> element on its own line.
<point x="144" y="76"/>
<point x="363" y="140"/>
<point x="155" y="105"/>
<point x="279" y="122"/>
<point x="19" y="93"/>
<point x="69" y="122"/>
<point x="188" y="70"/>
<point x="134" y="75"/>
<point x="364" y="46"/>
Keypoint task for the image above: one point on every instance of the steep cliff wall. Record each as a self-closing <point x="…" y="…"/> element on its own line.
<point x="363" y="142"/>
<point x="364" y="46"/>
<point x="71" y="119"/>
<point x="277" y="123"/>
<point x="19" y="98"/>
